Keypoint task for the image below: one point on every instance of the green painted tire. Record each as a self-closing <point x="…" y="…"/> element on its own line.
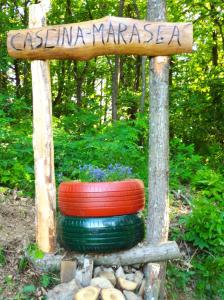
<point x="101" y="235"/>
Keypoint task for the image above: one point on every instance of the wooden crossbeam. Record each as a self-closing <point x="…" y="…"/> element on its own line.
<point x="109" y="35"/>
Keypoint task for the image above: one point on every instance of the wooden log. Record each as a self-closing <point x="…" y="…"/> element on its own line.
<point x="152" y="289"/>
<point x="109" y="35"/>
<point x="137" y="255"/>
<point x="158" y="209"/>
<point x="45" y="193"/>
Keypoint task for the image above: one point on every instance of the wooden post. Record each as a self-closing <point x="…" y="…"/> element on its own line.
<point x="158" y="216"/>
<point x="45" y="194"/>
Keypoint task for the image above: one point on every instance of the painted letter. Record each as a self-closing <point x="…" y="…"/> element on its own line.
<point x="159" y="39"/>
<point x="46" y="39"/>
<point x="176" y="33"/>
<point x="120" y="32"/>
<point x="79" y="35"/>
<point x="40" y="38"/>
<point x="151" y="34"/>
<point x="69" y="38"/>
<point x="12" y="42"/>
<point x="134" y="32"/>
<point x="100" y="29"/>
<point x="28" y="38"/>
<point x="111" y="32"/>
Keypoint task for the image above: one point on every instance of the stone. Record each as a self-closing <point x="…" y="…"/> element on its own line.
<point x="138" y="277"/>
<point x="101" y="282"/>
<point x="136" y="266"/>
<point x="141" y="291"/>
<point x="130" y="276"/>
<point x="109" y="275"/>
<point x="64" y="291"/>
<point x="97" y="271"/>
<point x="84" y="274"/>
<point x="68" y="269"/>
<point x="131" y="296"/>
<point x="120" y="272"/>
<point x="87" y="293"/>
<point x="127" y="284"/>
<point x="127" y="269"/>
<point x="112" y="294"/>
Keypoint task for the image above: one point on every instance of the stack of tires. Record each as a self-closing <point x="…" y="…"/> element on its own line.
<point x="100" y="216"/>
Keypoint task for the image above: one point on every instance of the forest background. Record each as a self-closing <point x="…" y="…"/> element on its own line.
<point x="100" y="116"/>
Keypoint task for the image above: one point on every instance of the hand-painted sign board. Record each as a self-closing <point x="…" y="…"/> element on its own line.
<point x="109" y="35"/>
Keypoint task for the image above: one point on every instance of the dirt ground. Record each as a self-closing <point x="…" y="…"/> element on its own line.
<point x="16" y="232"/>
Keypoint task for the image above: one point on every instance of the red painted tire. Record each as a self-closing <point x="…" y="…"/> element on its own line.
<point x="101" y="199"/>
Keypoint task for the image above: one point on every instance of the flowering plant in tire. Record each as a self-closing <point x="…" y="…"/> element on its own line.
<point x="116" y="172"/>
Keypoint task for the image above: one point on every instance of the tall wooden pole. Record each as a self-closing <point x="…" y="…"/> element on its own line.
<point x="45" y="194"/>
<point x="158" y="217"/>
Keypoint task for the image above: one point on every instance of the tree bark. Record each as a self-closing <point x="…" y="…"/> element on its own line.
<point x="116" y="73"/>
<point x="158" y="217"/>
<point x="142" y="101"/>
<point x="45" y="193"/>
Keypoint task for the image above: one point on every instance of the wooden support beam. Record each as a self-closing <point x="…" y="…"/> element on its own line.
<point x="45" y="194"/>
<point x="158" y="209"/>
<point x="137" y="255"/>
<point x="109" y="35"/>
<point x="140" y="255"/>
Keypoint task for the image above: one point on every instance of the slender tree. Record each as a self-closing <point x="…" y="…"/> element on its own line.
<point x="116" y="73"/>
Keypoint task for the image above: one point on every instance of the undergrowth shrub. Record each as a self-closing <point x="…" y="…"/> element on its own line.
<point x="114" y="144"/>
<point x="205" y="224"/>
<point x="203" y="229"/>
<point x="184" y="162"/>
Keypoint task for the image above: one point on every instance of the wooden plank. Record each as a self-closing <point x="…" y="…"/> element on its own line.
<point x="109" y="35"/>
<point x="45" y="194"/>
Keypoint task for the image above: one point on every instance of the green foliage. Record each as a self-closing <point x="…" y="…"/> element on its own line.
<point x="205" y="223"/>
<point x="22" y="264"/>
<point x="35" y="252"/>
<point x="179" y="279"/>
<point x="209" y="276"/>
<point x="183" y="164"/>
<point x="47" y="280"/>
<point x="113" y="144"/>
<point x="29" y="289"/>
<point x="16" y="157"/>
<point x="2" y="257"/>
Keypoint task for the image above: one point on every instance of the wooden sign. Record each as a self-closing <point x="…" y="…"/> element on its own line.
<point x="110" y="35"/>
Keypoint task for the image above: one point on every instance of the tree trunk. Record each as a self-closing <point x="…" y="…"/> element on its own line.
<point x="61" y="82"/>
<point x="116" y="73"/>
<point x="137" y="74"/>
<point x="115" y="85"/>
<point x="17" y="77"/>
<point x="142" y="101"/>
<point x="158" y="218"/>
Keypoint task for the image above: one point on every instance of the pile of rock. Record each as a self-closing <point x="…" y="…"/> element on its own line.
<point x="88" y="283"/>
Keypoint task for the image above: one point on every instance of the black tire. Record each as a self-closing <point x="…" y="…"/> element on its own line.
<point x="101" y="235"/>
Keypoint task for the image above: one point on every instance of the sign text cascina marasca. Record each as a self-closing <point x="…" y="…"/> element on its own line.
<point x="110" y="35"/>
